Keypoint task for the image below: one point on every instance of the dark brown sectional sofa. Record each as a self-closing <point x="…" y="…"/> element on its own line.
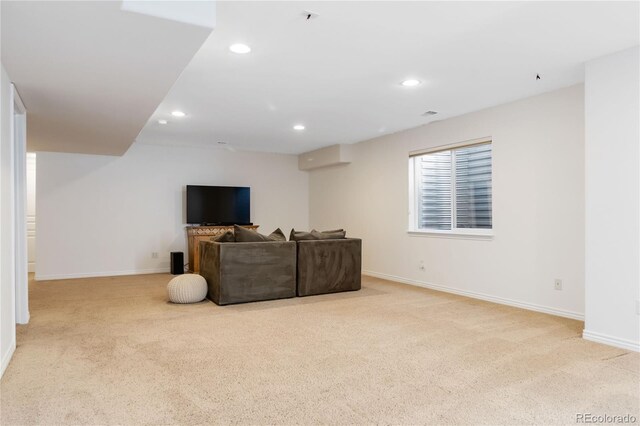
<point x="250" y="272"/>
<point x="328" y="266"/>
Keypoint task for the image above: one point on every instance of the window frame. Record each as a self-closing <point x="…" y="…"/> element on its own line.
<point x="472" y="233"/>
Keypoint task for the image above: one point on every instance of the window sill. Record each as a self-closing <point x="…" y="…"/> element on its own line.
<point x="457" y="234"/>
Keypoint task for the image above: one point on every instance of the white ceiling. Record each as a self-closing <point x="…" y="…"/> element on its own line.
<point x="339" y="73"/>
<point x="91" y="74"/>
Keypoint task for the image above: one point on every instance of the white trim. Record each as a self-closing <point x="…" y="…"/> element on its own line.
<point x="8" y="199"/>
<point x="101" y="274"/>
<point x="481" y="296"/>
<point x="606" y="339"/>
<point x="414" y="197"/>
<point x="471" y="142"/>
<point x="17" y="99"/>
<point x="18" y="125"/>
<point x="6" y="358"/>
<point x="474" y="234"/>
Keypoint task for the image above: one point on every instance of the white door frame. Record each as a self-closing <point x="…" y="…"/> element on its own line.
<point x="19" y="234"/>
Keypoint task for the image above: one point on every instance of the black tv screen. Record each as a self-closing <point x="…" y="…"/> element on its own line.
<point x="218" y="205"/>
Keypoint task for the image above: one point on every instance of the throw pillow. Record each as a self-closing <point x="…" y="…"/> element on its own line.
<point x="244" y="235"/>
<point x="335" y="234"/>
<point x="227" y="237"/>
<point x="300" y="235"/>
<point x="278" y="235"/>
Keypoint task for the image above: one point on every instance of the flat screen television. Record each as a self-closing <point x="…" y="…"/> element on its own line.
<point x="218" y="205"/>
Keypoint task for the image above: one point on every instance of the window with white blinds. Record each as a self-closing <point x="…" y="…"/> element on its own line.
<point x="452" y="189"/>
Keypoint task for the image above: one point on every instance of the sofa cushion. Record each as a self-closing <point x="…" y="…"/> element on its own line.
<point x="244" y="235"/>
<point x="227" y="237"/>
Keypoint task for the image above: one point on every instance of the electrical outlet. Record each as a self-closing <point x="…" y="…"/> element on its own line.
<point x="421" y="266"/>
<point x="557" y="284"/>
<point x="154" y="255"/>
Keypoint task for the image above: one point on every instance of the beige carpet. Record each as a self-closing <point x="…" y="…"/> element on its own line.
<point x="113" y="351"/>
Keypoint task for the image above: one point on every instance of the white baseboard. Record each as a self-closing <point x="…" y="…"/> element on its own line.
<point x="101" y="274"/>
<point x="25" y="320"/>
<point x="611" y="340"/>
<point x="6" y="358"/>
<point x="481" y="296"/>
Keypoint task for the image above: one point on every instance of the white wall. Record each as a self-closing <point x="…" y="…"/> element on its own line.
<point x="103" y="215"/>
<point x="612" y="107"/>
<point x="538" y="206"/>
<point x="7" y="280"/>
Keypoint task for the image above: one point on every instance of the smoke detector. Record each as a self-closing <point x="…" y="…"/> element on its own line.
<point x="429" y="113"/>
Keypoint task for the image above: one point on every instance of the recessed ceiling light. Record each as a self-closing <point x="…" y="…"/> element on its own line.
<point x="178" y="114"/>
<point x="410" y="82"/>
<point x="162" y="121"/>
<point x="239" y="48"/>
<point x="298" y="127"/>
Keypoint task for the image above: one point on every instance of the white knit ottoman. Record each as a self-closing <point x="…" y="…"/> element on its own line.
<point x="187" y="288"/>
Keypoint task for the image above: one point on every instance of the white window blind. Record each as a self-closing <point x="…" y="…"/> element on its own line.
<point x="453" y="189"/>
